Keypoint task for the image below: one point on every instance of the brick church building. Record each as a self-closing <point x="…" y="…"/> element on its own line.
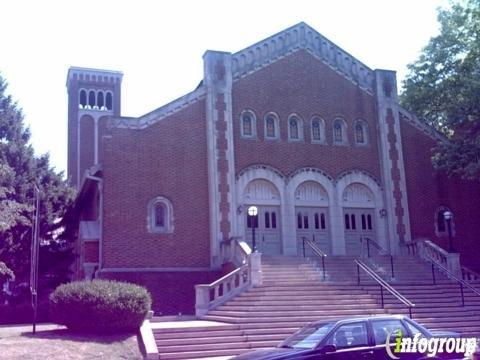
<point x="292" y="124"/>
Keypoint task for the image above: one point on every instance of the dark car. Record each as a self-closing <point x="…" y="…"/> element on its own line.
<point x="355" y="338"/>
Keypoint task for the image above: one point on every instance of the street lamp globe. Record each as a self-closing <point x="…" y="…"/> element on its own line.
<point x="448" y="215"/>
<point x="252" y="211"/>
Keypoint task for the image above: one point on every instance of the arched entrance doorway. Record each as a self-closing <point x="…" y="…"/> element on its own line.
<point x="265" y="196"/>
<point x="312" y="215"/>
<point x="358" y="216"/>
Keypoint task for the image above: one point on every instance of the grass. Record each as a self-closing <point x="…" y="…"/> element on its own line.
<point x="55" y="342"/>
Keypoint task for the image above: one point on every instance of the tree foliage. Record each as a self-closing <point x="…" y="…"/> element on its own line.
<point x="20" y="171"/>
<point x="443" y="88"/>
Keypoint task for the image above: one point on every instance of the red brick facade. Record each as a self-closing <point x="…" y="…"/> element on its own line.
<point x="192" y="155"/>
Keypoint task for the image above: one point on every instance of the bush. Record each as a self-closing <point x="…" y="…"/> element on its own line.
<point x="100" y="305"/>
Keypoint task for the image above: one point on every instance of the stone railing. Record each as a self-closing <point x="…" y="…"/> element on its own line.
<point x="247" y="274"/>
<point x="469" y="275"/>
<point x="235" y="251"/>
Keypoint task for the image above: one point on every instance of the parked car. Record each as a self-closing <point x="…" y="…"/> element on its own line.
<point x="354" y="338"/>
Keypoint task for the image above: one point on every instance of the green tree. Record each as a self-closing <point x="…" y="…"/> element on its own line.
<point x="20" y="172"/>
<point x="443" y="88"/>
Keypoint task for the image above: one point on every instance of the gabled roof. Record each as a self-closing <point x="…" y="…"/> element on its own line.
<point x="260" y="55"/>
<point x="302" y="36"/>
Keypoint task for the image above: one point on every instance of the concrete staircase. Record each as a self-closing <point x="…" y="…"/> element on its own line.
<point x="294" y="293"/>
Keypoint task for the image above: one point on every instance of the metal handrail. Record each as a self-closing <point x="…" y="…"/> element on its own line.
<point x="380" y="249"/>
<point x="316" y="250"/>
<point x="383" y="285"/>
<point x="450" y="275"/>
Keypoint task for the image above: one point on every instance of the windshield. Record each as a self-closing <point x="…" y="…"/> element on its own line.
<point x="308" y="337"/>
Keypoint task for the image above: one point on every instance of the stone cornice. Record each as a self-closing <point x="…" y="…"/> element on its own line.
<point x="413" y="120"/>
<point x="302" y="36"/>
<point x="171" y="108"/>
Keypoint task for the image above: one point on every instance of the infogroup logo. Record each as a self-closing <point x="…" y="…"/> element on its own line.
<point x="429" y="346"/>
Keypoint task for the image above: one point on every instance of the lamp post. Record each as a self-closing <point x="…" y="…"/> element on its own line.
<point x="252" y="212"/>
<point x="448" y="215"/>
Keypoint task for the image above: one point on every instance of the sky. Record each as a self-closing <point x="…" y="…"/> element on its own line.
<point x="158" y="45"/>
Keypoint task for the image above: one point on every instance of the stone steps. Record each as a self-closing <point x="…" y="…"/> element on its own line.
<point x="294" y="293"/>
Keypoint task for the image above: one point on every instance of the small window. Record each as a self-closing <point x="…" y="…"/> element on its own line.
<point x="317" y="222"/>
<point x="322" y="221"/>
<point x="299" y="220"/>
<point x="369" y="222"/>
<point x="160" y="215"/>
<point x="361" y="137"/>
<point x="382" y="328"/>
<point x="91" y="98"/>
<point x="364" y="222"/>
<point x="100" y="100"/>
<point x="267" y="220"/>
<point x="318" y="130"/>
<point x="339" y="132"/>
<point x="271" y="127"/>
<point x="354" y="226"/>
<point x="83" y="98"/>
<point x="248" y="124"/>
<point x="109" y="101"/>
<point x="347" y="221"/>
<point x="295" y="128"/>
<point x="274" y="220"/>
<point x="305" y="221"/>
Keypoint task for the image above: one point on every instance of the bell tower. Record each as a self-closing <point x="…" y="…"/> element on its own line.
<point x="93" y="96"/>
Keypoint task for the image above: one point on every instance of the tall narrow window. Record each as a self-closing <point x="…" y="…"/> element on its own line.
<point x="248" y="124"/>
<point x="354" y="225"/>
<point x="267" y="220"/>
<point x="322" y="221"/>
<point x="305" y="221"/>
<point x="317" y="221"/>
<point x="295" y="128"/>
<point x="369" y="222"/>
<point x="318" y="130"/>
<point x="299" y="220"/>
<point x="91" y="98"/>
<point x="271" y="127"/>
<point x="339" y="132"/>
<point x="274" y="220"/>
<point x="364" y="222"/>
<point x="347" y="221"/>
<point x="160" y="215"/>
<point x="83" y="98"/>
<point x="109" y="101"/>
<point x="100" y="100"/>
<point x="361" y="137"/>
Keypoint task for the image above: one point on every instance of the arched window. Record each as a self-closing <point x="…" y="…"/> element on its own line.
<point x="83" y="99"/>
<point x="361" y="132"/>
<point x="160" y="215"/>
<point x="339" y="132"/>
<point x="100" y="100"/>
<point x="248" y="124"/>
<point x="271" y="127"/>
<point x="295" y="128"/>
<point x="91" y="99"/>
<point x="109" y="101"/>
<point x="318" y="130"/>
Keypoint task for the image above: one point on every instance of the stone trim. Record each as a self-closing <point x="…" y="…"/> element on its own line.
<point x="297" y="37"/>
<point x="159" y="114"/>
<point x="413" y="120"/>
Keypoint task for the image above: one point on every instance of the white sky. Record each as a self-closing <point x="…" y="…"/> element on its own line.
<point x="158" y="45"/>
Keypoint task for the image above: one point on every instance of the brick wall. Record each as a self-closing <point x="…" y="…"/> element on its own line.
<point x="428" y="189"/>
<point x="91" y="251"/>
<point x="172" y="292"/>
<point x="169" y="158"/>
<point x="302" y="84"/>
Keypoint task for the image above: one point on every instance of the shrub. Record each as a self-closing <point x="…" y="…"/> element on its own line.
<point x="100" y="305"/>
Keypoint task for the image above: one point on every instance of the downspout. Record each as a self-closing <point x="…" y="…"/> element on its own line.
<point x="100" y="219"/>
